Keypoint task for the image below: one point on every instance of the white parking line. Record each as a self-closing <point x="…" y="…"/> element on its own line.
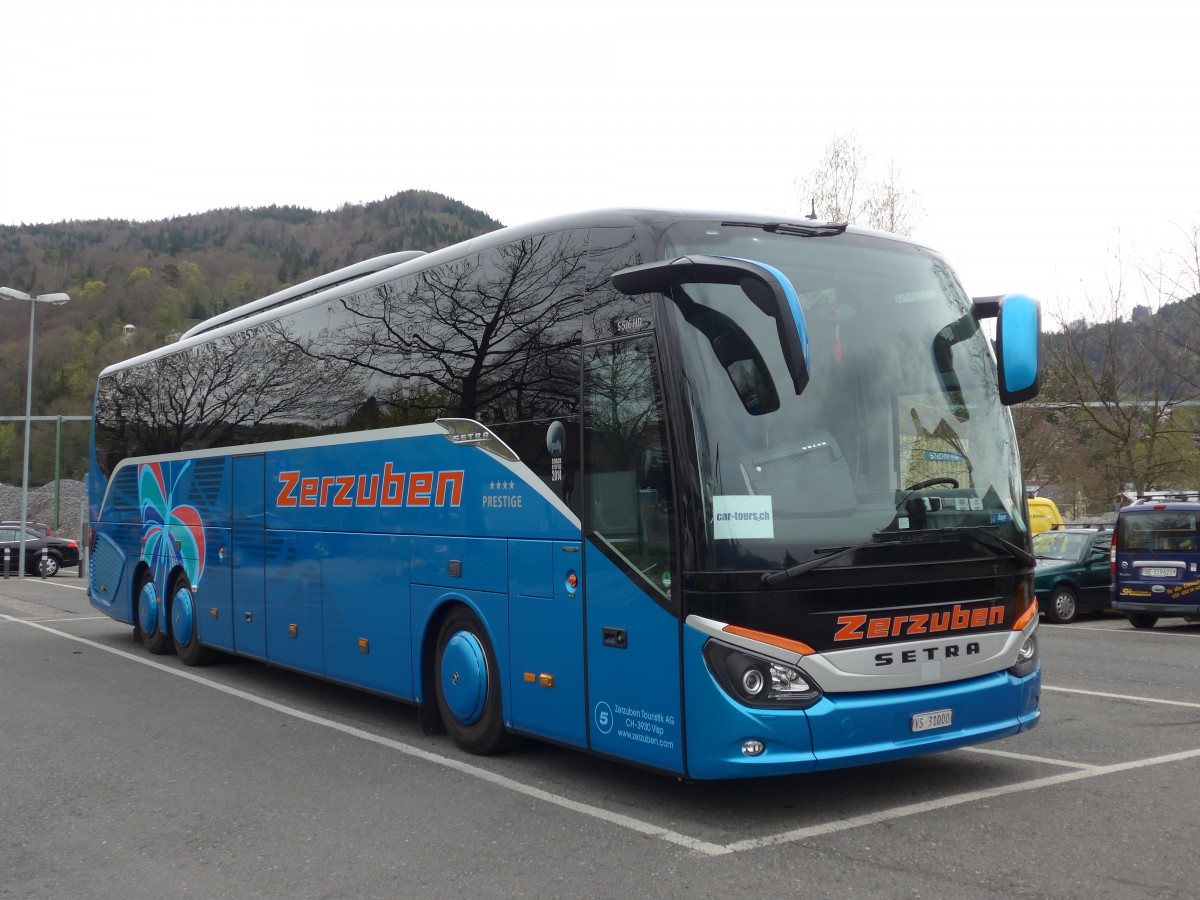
<point x="639" y="826"/>
<point x="69" y="587"/>
<point x="913" y="809"/>
<point x="988" y="751"/>
<point x="54" y="582"/>
<point x="1106" y="696"/>
<point x="1124" y="628"/>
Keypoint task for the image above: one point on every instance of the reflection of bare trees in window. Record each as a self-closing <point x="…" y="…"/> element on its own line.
<point x="621" y="404"/>
<point x="246" y="387"/>
<point x="629" y="490"/>
<point x="493" y="336"/>
<point x="610" y="313"/>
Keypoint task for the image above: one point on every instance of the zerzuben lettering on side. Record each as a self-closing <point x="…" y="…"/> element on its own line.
<point x="392" y="488"/>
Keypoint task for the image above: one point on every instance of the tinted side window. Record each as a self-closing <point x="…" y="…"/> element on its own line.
<point x="551" y="450"/>
<point x="630" y="496"/>
<point x="493" y="336"/>
<point x="269" y="383"/>
<point x="612" y="314"/>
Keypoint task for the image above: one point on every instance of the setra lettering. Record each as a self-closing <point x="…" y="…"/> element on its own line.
<point x="924" y="654"/>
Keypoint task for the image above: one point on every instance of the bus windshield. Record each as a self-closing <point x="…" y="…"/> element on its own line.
<point x="899" y="432"/>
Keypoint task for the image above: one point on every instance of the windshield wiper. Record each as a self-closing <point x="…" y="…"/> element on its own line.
<point x="772" y="578"/>
<point x="823" y="229"/>
<point x="976" y="533"/>
<point x="981" y="535"/>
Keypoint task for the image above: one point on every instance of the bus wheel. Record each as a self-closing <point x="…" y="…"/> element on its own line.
<point x="1142" y="620"/>
<point x="185" y="630"/>
<point x="154" y="637"/>
<point x="468" y="685"/>
<point x="1063" y="607"/>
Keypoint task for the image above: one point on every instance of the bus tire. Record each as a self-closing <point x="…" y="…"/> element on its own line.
<point x="146" y="616"/>
<point x="467" y="682"/>
<point x="185" y="626"/>
<point x="1063" y="606"/>
<point x="1142" y="620"/>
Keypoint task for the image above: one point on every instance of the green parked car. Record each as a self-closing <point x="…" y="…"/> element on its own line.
<point x="1074" y="572"/>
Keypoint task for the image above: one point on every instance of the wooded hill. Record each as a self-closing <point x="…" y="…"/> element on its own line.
<point x="163" y="276"/>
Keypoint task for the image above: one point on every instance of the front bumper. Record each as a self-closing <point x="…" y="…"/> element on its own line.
<point x="846" y="729"/>
<point x="1162" y="610"/>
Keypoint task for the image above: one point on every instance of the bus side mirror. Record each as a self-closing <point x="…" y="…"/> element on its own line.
<point x="1018" y="345"/>
<point x="765" y="286"/>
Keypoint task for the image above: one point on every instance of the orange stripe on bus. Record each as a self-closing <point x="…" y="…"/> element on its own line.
<point x="773" y="639"/>
<point x="1025" y="619"/>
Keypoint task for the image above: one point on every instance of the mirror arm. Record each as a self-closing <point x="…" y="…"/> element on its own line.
<point x="661" y="276"/>
<point x="986" y="307"/>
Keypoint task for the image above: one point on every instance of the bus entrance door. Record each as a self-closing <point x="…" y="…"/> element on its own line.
<point x="633" y="635"/>
<point x="633" y="669"/>
<point x="248" y="543"/>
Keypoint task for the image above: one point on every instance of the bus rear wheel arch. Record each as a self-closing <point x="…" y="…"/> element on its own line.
<point x="467" y="685"/>
<point x="148" y="624"/>
<point x="185" y="624"/>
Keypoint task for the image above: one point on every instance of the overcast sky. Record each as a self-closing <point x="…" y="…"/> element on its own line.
<point x="1040" y="138"/>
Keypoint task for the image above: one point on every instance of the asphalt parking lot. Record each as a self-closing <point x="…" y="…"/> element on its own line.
<point x="132" y="775"/>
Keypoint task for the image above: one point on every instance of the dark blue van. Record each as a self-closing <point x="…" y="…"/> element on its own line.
<point x="1156" y="552"/>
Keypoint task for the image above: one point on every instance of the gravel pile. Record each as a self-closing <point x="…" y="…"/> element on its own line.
<point x="72" y="502"/>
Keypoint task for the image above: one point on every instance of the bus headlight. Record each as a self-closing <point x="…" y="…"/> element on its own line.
<point x="757" y="681"/>
<point x="1027" y="657"/>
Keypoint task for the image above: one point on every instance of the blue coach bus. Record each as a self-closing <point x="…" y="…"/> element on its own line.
<point x="720" y="496"/>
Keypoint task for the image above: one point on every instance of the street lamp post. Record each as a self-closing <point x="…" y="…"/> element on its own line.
<point x="1196" y="443"/>
<point x="57" y="300"/>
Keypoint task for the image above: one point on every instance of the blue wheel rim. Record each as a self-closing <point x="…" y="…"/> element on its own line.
<point x="464" y="677"/>
<point x="183" y="617"/>
<point x="148" y="609"/>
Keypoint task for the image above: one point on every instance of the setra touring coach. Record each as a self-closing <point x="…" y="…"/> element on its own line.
<point x="716" y="495"/>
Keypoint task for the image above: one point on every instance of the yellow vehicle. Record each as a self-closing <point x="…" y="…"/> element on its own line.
<point x="1043" y="515"/>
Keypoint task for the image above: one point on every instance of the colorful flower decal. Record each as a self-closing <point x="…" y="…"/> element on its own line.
<point x="173" y="534"/>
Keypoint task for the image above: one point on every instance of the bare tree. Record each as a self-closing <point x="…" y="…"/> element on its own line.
<point x="1127" y="381"/>
<point x="891" y="206"/>
<point x="840" y="188"/>
<point x="1179" y="273"/>
<point x="832" y="186"/>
